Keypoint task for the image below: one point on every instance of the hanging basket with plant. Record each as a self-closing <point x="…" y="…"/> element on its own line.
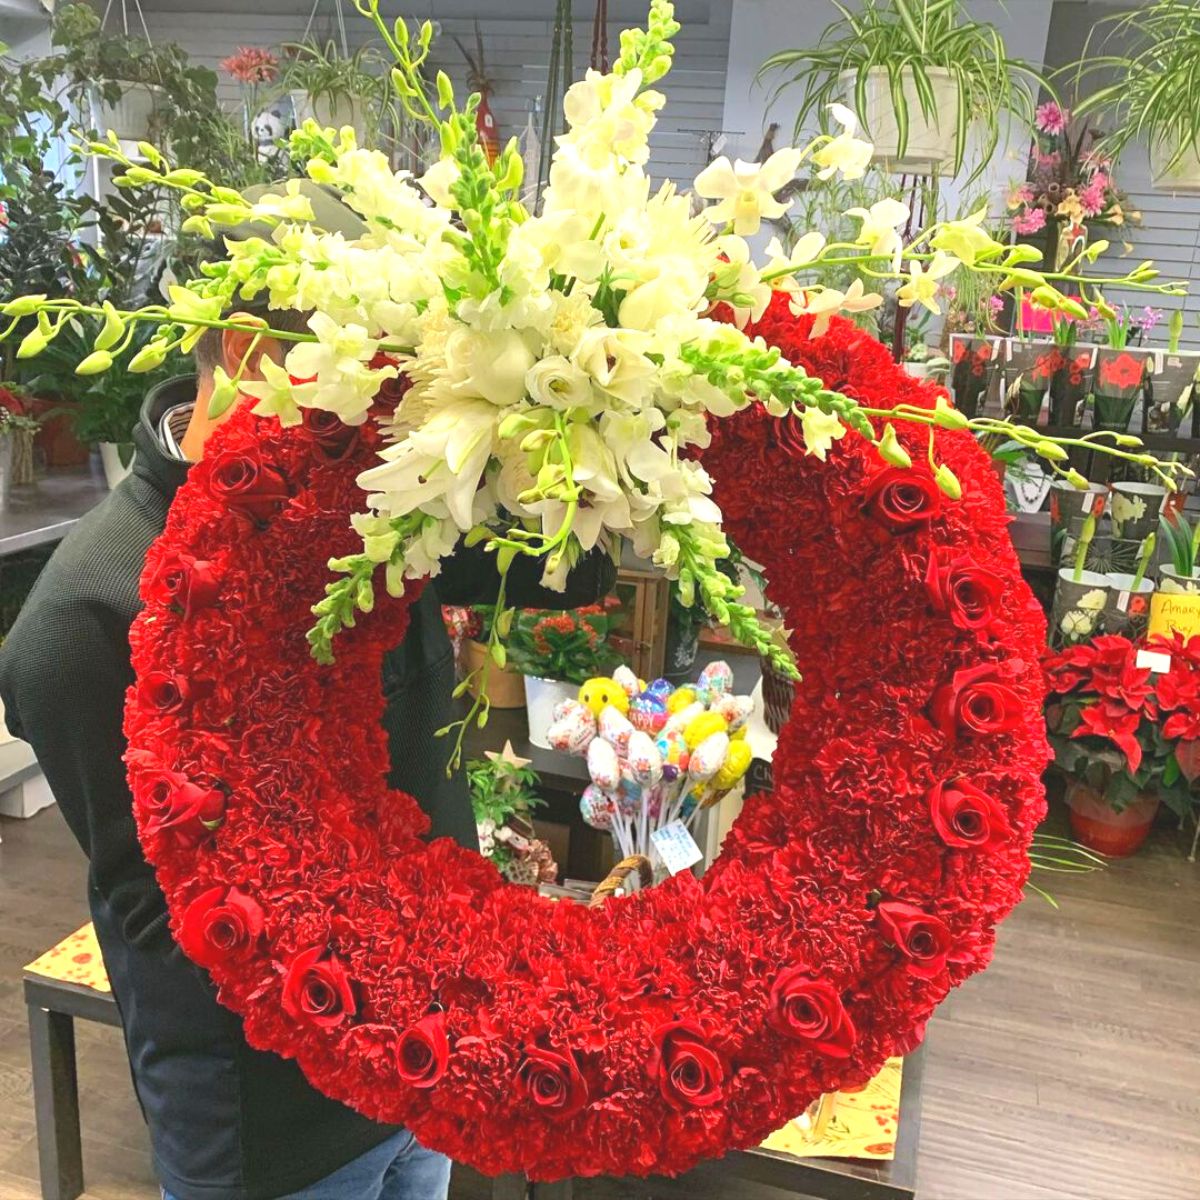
<point x="921" y="74"/>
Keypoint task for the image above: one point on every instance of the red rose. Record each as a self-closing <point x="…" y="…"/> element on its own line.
<point x="690" y="1073"/>
<point x="334" y="439"/>
<point x="241" y="480"/>
<point x="975" y="702"/>
<point x="317" y="989"/>
<point x="423" y="1051"/>
<point x="968" y="593"/>
<point x="553" y="1082"/>
<point x="172" y="801"/>
<point x="220" y="925"/>
<point x="166" y="691"/>
<point x="184" y="583"/>
<point x="966" y="817"/>
<point x="903" y="497"/>
<point x="923" y="940"/>
<point x="810" y="1010"/>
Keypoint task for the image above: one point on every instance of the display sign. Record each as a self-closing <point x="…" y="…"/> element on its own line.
<point x="1170" y="614"/>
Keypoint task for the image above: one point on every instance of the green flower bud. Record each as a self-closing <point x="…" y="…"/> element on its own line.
<point x="1076" y="480"/>
<point x="96" y="363"/>
<point x="113" y="329"/>
<point x="32" y="344"/>
<point x="1051" y="450"/>
<point x="147" y="358"/>
<point x="22" y="306"/>
<point x="184" y="176"/>
<point x="948" y="482"/>
<point x="445" y="90"/>
<point x="890" y="449"/>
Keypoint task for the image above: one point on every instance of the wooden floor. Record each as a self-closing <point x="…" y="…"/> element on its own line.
<point x="1070" y="1069"/>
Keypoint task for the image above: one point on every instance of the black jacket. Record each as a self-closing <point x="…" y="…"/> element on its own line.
<point x="227" y="1122"/>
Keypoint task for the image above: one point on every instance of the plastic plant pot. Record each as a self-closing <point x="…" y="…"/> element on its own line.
<point x="1134" y="509"/>
<point x="1079" y="607"/>
<point x="1069" y="385"/>
<point x="974" y="362"/>
<point x="1172" y="583"/>
<point x="1168" y="398"/>
<point x="1118" y="382"/>
<point x="1069" y="508"/>
<point x="1101" y="828"/>
<point x="1128" y="611"/>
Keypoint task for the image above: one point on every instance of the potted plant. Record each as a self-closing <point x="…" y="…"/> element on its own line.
<point x="1070" y="508"/>
<point x="503" y="797"/>
<point x="1178" y="576"/>
<point x="17" y="428"/>
<point x="1031" y="366"/>
<point x="1169" y="395"/>
<point x="1081" y="597"/>
<point x="337" y="90"/>
<point x="684" y="623"/>
<point x="1119" y="375"/>
<point x="1128" y="611"/>
<point x="921" y="74"/>
<point x="1152" y="96"/>
<point x="1072" y="374"/>
<point x="974" y="363"/>
<point x="1122" y="736"/>
<point x="557" y="652"/>
<point x="506" y="684"/>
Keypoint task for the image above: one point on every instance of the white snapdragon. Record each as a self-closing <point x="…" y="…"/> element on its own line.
<point x="609" y="115"/>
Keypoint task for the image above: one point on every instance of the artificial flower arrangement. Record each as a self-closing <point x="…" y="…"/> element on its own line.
<point x="612" y="368"/>
<point x="504" y="797"/>
<point x="1069" y="180"/>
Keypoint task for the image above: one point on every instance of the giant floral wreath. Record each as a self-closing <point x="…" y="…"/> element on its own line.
<point x="518" y="1034"/>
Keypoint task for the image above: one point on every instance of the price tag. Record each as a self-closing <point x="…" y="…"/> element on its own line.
<point x="1088" y="501"/>
<point x="1123" y="601"/>
<point x="676" y="847"/>
<point x="1154" y="660"/>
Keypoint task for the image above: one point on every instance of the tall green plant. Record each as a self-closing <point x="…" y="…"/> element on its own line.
<point x="1154" y="95"/>
<point x="908" y="39"/>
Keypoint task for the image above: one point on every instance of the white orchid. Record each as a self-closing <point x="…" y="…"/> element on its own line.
<point x="823" y="302"/>
<point x="878" y="230"/>
<point x="922" y="286"/>
<point x="746" y="191"/>
<point x="844" y="154"/>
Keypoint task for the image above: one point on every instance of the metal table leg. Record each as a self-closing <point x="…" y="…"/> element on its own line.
<point x="56" y="1103"/>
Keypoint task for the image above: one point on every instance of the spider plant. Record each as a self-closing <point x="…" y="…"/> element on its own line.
<point x="910" y="40"/>
<point x="1155" y="93"/>
<point x="358" y="82"/>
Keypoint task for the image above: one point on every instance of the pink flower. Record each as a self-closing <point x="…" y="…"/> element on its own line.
<point x="1093" y="198"/>
<point x="1029" y="222"/>
<point x="1018" y="194"/>
<point x="1050" y="118"/>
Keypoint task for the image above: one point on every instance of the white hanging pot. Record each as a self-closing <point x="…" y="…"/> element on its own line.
<point x="930" y="146"/>
<point x="131" y="118"/>
<point x="331" y="112"/>
<point x="114" y="469"/>
<point x="1182" y="176"/>
<point x="541" y="698"/>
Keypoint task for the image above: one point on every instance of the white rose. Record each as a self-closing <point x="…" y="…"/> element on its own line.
<point x="491" y="365"/>
<point x="558" y="383"/>
<point x="614" y="360"/>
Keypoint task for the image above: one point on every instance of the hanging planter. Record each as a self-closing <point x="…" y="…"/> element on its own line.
<point x="1069" y="385"/>
<point x="974" y="363"/>
<point x="1118" y="381"/>
<point x="929" y="148"/>
<point x="1168" y="398"/>
<point x="1174" y="170"/>
<point x="133" y="116"/>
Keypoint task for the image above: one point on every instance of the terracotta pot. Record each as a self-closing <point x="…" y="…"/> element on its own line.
<point x="1099" y="827"/>
<point x="506" y="688"/>
<point x="56" y="436"/>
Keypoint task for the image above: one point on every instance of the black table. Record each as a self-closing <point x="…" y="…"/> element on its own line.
<point x="817" y="1178"/>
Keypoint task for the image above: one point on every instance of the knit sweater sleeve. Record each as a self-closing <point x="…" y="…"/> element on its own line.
<point x="64" y="671"/>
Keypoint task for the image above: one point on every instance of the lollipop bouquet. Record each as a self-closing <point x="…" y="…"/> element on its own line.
<point x="657" y="755"/>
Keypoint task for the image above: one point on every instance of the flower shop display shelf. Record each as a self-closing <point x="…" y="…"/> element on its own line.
<point x="45" y="511"/>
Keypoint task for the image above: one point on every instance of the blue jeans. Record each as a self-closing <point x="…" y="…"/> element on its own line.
<point x="398" y="1169"/>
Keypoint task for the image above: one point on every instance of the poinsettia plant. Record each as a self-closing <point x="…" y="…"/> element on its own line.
<point x="1122" y="728"/>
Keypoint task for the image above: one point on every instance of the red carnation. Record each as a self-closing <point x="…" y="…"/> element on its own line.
<point x="423" y="1051"/>
<point x="810" y="1010"/>
<point x="690" y="1073"/>
<point x="966" y="817"/>
<point x="553" y="1082"/>
<point x="789" y="433"/>
<point x="242" y="481"/>
<point x="923" y="940"/>
<point x="170" y="800"/>
<point x="333" y="438"/>
<point x="902" y="498"/>
<point x="317" y="990"/>
<point x="184" y="582"/>
<point x="220" y="925"/>
<point x="966" y="592"/>
<point x="976" y="702"/>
